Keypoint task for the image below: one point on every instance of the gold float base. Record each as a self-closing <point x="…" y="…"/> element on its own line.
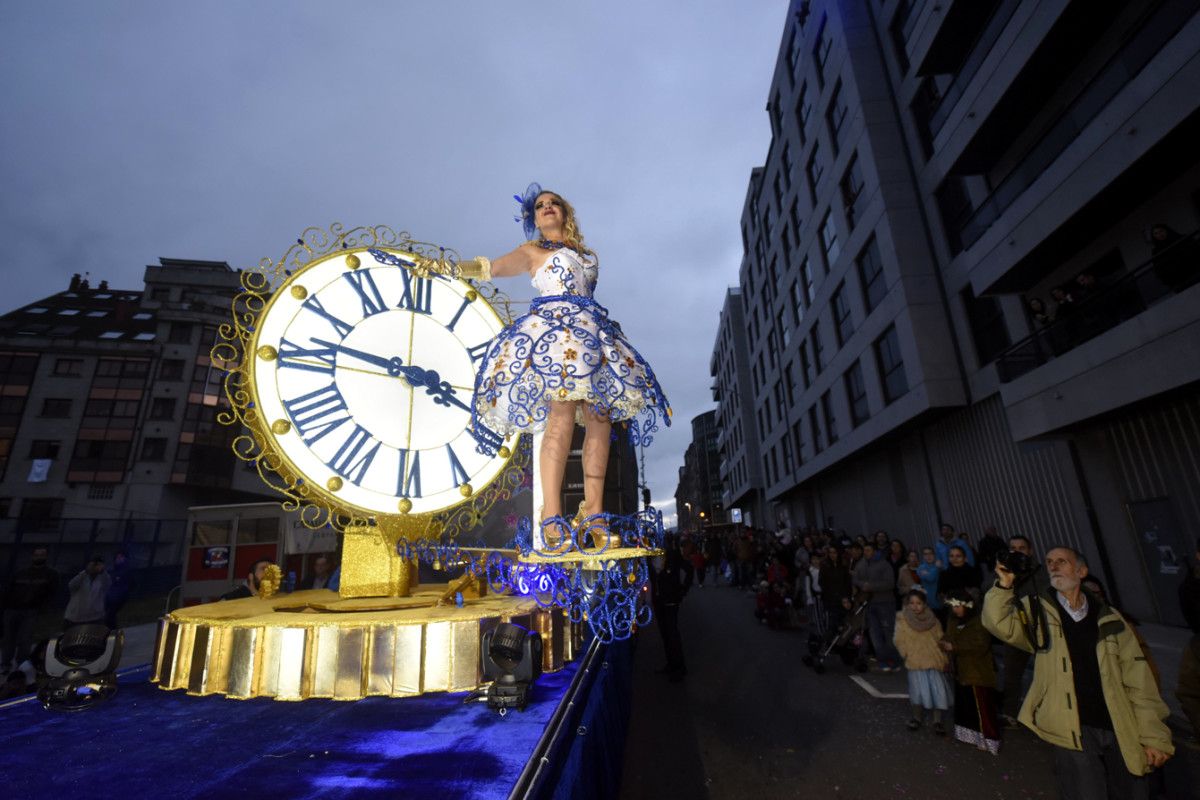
<point x="313" y="644"/>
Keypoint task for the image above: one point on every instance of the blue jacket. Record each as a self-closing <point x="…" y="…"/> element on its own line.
<point x="928" y="573"/>
<point x="943" y="551"/>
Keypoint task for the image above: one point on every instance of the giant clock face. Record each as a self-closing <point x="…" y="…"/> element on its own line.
<point x="364" y="374"/>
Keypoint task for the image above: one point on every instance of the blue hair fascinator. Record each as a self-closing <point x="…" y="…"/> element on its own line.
<point x="526" y="201"/>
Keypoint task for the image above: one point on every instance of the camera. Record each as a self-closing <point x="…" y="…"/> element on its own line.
<point x="1019" y="564"/>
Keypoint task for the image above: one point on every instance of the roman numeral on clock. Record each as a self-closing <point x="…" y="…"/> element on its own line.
<point x="458" y="314"/>
<point x="408" y="480"/>
<point x="478" y="352"/>
<point x="317" y="413"/>
<point x="487" y="440"/>
<point x="368" y="292"/>
<point x="341" y="326"/>
<point x="418" y="294"/>
<point x="457" y="473"/>
<point x="351" y="459"/>
<point x="299" y="357"/>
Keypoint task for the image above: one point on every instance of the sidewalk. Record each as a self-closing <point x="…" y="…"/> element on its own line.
<point x="1166" y="645"/>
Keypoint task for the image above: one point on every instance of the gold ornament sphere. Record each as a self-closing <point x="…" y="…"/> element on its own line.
<point x="299" y="292"/>
<point x="472" y="295"/>
<point x="465" y="490"/>
<point x="267" y="353"/>
<point x="333" y="484"/>
<point x="353" y="261"/>
<point x="280" y="427"/>
<point x="405" y="505"/>
<point x="504" y="452"/>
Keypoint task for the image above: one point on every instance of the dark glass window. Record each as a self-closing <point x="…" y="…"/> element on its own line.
<point x="829" y="241"/>
<point x="154" y="449"/>
<point x="171" y="369"/>
<point x="830" y="417"/>
<point x="806" y="371"/>
<point x="815" y="426"/>
<point x="856" y="395"/>
<point x="835" y="117"/>
<point x="818" y="351"/>
<point x="853" y="196"/>
<point x="803" y="113"/>
<point x="71" y="367"/>
<point x="56" y="407"/>
<point x="44" y="448"/>
<point x="843" y="320"/>
<point x="807" y="284"/>
<point x="814" y="171"/>
<point x="891" y="365"/>
<point x="181" y="333"/>
<point x="162" y="408"/>
<point x="821" y="48"/>
<point x="786" y="167"/>
<point x="870" y="274"/>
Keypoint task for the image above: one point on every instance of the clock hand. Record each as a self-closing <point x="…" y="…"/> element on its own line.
<point x="393" y="365"/>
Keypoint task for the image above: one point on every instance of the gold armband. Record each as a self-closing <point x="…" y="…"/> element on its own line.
<point x="478" y="268"/>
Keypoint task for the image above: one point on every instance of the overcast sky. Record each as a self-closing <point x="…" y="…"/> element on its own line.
<point x="220" y="130"/>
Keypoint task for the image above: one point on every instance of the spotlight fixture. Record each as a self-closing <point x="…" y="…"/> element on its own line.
<point x="512" y="658"/>
<point x="80" y="667"/>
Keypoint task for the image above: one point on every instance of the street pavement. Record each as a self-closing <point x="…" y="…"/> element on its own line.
<point x="751" y="721"/>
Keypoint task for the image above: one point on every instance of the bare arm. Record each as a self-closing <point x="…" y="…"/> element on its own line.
<point x="518" y="262"/>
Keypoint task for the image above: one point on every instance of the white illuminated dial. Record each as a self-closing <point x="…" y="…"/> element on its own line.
<point x="372" y="379"/>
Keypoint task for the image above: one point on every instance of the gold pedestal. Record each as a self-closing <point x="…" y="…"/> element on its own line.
<point x="314" y="644"/>
<point x="371" y="566"/>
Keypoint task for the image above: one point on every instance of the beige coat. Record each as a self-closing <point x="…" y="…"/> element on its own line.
<point x="1050" y="710"/>
<point x="919" y="648"/>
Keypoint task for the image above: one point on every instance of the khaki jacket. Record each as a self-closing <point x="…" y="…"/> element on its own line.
<point x="1050" y="709"/>
<point x="919" y="649"/>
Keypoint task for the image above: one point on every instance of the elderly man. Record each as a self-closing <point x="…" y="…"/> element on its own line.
<point x="1093" y="695"/>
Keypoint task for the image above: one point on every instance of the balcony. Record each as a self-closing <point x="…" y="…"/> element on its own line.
<point x="1172" y="271"/>
<point x="966" y="221"/>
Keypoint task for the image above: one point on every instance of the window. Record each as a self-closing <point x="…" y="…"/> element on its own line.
<point x="786" y="167"/>
<point x="181" y="333"/>
<point x="835" y="117"/>
<point x="821" y="50"/>
<point x="777" y="186"/>
<point x="171" y="369"/>
<point x="44" y="448"/>
<point x="806" y="372"/>
<point x="101" y="491"/>
<point x="853" y="197"/>
<point x="818" y="352"/>
<point x="160" y="293"/>
<point x="69" y="367"/>
<point x="829" y="241"/>
<point x="68" y="312"/>
<point x="803" y="112"/>
<point x="793" y="50"/>
<point x="827" y="413"/>
<point x="856" y="395"/>
<point x="785" y="333"/>
<point x="807" y="284"/>
<point x="815" y="426"/>
<point x="789" y="465"/>
<point x="870" y="275"/>
<point x="813" y="171"/>
<point x="112" y="335"/>
<point x="843" y="321"/>
<point x="789" y="384"/>
<point x="778" y="400"/>
<point x="798" y="439"/>
<point x="891" y="365"/>
<point x="162" y="408"/>
<point x="57" y="407"/>
<point x="154" y="449"/>
<point x="797" y="306"/>
<point x="41" y="513"/>
<point x="776" y="115"/>
<point x="989" y="332"/>
<point x="794" y="215"/>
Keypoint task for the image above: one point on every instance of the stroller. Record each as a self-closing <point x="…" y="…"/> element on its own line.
<point x="846" y="640"/>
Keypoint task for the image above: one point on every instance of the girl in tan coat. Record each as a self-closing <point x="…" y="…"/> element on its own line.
<point x="917" y="635"/>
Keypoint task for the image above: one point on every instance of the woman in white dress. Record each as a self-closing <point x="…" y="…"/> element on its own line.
<point x="565" y="361"/>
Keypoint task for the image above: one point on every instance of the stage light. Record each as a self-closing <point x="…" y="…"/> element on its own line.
<point x="80" y="667"/>
<point x="512" y="658"/>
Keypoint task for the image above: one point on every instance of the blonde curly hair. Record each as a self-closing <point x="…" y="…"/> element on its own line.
<point x="572" y="237"/>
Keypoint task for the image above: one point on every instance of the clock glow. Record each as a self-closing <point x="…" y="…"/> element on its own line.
<point x="373" y="370"/>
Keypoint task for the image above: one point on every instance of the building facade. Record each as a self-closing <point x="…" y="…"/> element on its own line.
<point x="699" y="497"/>
<point x="956" y="310"/>
<point x="109" y="425"/>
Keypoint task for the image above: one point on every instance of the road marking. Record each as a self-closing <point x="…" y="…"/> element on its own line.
<point x="871" y="690"/>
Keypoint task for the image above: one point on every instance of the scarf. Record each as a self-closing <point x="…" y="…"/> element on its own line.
<point x="919" y="622"/>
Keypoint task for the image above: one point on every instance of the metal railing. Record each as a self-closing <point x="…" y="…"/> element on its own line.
<point x="1105" y="309"/>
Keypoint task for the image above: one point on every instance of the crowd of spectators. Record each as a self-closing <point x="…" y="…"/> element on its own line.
<point x="920" y="606"/>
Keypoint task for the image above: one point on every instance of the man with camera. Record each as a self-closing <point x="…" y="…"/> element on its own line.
<point x="1093" y="695"/>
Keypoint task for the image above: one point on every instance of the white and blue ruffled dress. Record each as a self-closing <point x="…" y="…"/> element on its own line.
<point x="566" y="348"/>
